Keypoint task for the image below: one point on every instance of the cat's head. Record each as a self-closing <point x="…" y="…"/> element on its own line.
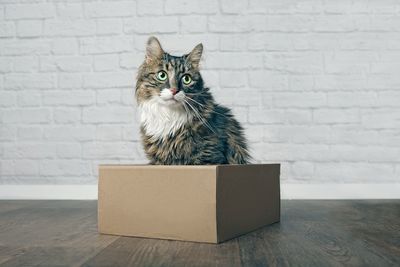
<point x="169" y="80"/>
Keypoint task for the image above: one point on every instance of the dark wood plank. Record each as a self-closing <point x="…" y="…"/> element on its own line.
<point x="322" y="234"/>
<point x="49" y="231"/>
<point x="7" y="205"/>
<point x="311" y="233"/>
<point x="127" y="251"/>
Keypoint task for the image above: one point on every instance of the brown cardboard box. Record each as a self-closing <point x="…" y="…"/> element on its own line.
<point x="210" y="203"/>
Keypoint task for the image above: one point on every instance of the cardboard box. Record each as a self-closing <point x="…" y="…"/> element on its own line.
<point x="209" y="203"/>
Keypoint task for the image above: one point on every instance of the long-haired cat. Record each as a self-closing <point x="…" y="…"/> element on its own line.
<point x="181" y="124"/>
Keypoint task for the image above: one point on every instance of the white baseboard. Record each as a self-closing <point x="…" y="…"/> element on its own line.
<point x="48" y="191"/>
<point x="289" y="191"/>
<point x="340" y="191"/>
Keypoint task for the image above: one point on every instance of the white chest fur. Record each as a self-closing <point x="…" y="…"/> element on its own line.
<point x="160" y="120"/>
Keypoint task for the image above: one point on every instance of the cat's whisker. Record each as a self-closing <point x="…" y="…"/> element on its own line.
<point x="213" y="111"/>
<point x="202" y="94"/>
<point x="201" y="118"/>
<point x="195" y="101"/>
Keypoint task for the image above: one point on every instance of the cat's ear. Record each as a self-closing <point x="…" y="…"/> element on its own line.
<point x="153" y="49"/>
<point x="195" y="56"/>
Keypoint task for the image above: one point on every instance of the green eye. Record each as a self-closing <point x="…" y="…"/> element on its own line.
<point x="186" y="79"/>
<point x="162" y="75"/>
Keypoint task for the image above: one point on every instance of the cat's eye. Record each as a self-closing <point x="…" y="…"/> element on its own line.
<point x="162" y="75"/>
<point x="186" y="79"/>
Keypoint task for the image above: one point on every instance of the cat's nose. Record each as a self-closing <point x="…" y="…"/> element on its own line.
<point x="173" y="91"/>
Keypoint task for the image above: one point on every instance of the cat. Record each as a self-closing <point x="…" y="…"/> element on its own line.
<point x="181" y="124"/>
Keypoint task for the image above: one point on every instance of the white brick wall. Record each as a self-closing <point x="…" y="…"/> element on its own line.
<point x="315" y="83"/>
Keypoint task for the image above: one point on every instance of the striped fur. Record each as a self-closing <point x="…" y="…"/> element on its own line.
<point x="188" y="128"/>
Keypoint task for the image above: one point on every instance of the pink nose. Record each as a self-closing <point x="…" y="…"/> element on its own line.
<point x="173" y="91"/>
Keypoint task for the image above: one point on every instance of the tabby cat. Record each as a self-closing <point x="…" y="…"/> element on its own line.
<point x="181" y="124"/>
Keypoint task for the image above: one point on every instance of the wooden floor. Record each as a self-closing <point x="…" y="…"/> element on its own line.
<point x="311" y="233"/>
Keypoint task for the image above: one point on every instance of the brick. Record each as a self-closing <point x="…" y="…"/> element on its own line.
<point x="47" y="64"/>
<point x="69" y="150"/>
<point x="296" y="23"/>
<point x="193" y="24"/>
<point x="301" y="169"/>
<point x="256" y="41"/>
<point x="334" y="23"/>
<point x="66" y="63"/>
<point x="70" y="80"/>
<point x="261" y="115"/>
<point x="266" y="80"/>
<point x="30" y="133"/>
<point x="74" y="63"/>
<point x="233" y="60"/>
<point x="295" y="116"/>
<point x="110" y="9"/>
<point x="131" y="132"/>
<point x="339" y="82"/>
<point x="186" y="43"/>
<point x="29" y="81"/>
<point x="69" y="10"/>
<point x="232" y="79"/>
<point x="149" y="7"/>
<point x="108" y="80"/>
<point x="8" y="132"/>
<point x="7" y="29"/>
<point x="383" y="118"/>
<point x="108" y="62"/>
<point x="233" y="7"/>
<point x="301" y="82"/>
<point x="108" y="133"/>
<point x="8" y="99"/>
<point x="248" y="97"/>
<point x="336" y="116"/>
<point x="24" y="47"/>
<point x="64" y="167"/>
<point x="26" y="167"/>
<point x="299" y="99"/>
<point x="78" y="27"/>
<point x="25" y="64"/>
<point x="6" y="64"/>
<point x="229" y="24"/>
<point x="294" y="63"/>
<point x="108" y="115"/>
<point x="66" y="133"/>
<point x="233" y="43"/>
<point x="2" y="12"/>
<point x="128" y="97"/>
<point x="66" y="115"/>
<point x="173" y="7"/>
<point x="352" y="99"/>
<point x="68" y="98"/>
<point x="109" y="26"/>
<point x="64" y="46"/>
<point x="108" y="96"/>
<point x="29" y="99"/>
<point x="130" y="60"/>
<point x="105" y="45"/>
<point x="30" y="11"/>
<point x="148" y="25"/>
<point x="348" y="172"/>
<point x="26" y="115"/>
<point x="29" y="28"/>
<point x="109" y="150"/>
<point x="389" y="98"/>
<point x="37" y="150"/>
